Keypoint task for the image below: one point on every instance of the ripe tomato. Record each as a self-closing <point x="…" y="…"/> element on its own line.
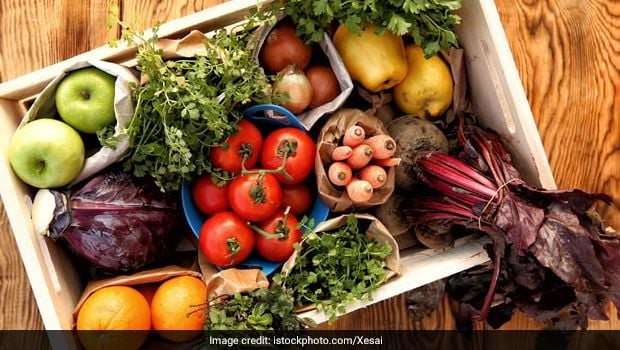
<point x="278" y="249"/>
<point x="255" y="197"/>
<point x="225" y="239"/>
<point x="299" y="149"/>
<point x="209" y="197"/>
<point x="248" y="139"/>
<point x="299" y="197"/>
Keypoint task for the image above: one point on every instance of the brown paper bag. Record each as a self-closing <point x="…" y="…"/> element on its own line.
<point x="192" y="44"/>
<point x="231" y="281"/>
<point x="148" y="276"/>
<point x="376" y="230"/>
<point x="337" y="199"/>
<point x="460" y="100"/>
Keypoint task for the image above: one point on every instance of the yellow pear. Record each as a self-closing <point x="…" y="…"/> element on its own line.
<point x="375" y="61"/>
<point x="428" y="87"/>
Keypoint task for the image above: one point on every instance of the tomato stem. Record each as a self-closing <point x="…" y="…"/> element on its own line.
<point x="266" y="234"/>
<point x="234" y="247"/>
<point x="257" y="192"/>
<point x="287" y="149"/>
<point x="281" y="232"/>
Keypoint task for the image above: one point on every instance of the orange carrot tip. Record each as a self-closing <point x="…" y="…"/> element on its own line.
<point x="374" y="174"/>
<point x="359" y="190"/>
<point x="383" y="146"/>
<point x="388" y="162"/>
<point x="339" y="173"/>
<point x="360" y="156"/>
<point x="353" y="136"/>
<point x="341" y="153"/>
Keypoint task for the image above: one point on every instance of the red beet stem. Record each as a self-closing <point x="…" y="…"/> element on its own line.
<point x="463" y="168"/>
<point x="454" y="177"/>
<point x="460" y="195"/>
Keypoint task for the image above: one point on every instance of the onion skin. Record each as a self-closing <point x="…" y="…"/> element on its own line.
<point x="325" y="87"/>
<point x="294" y="83"/>
<point x="283" y="48"/>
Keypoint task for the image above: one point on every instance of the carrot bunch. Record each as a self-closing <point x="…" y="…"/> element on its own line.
<point x="359" y="163"/>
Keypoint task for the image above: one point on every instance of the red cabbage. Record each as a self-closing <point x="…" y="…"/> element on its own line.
<point x="116" y="222"/>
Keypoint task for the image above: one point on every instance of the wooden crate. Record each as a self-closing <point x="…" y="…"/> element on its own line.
<point x="497" y="96"/>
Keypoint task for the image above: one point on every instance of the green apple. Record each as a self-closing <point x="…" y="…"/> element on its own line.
<point x="85" y="99"/>
<point x="46" y="153"/>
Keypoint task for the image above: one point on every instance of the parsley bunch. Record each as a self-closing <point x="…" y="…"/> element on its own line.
<point x="336" y="267"/>
<point x="261" y="309"/>
<point x="430" y="22"/>
<point x="188" y="106"/>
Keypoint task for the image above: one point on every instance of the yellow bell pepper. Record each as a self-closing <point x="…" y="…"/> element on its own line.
<point x="378" y="62"/>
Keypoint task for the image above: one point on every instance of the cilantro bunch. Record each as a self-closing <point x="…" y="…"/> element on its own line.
<point x="430" y="22"/>
<point x="188" y="106"/>
<point x="336" y="267"/>
<point x="261" y="309"/>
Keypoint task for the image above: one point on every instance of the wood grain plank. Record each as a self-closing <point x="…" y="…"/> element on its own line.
<point x="28" y="19"/>
<point x="18" y="308"/>
<point x="45" y="27"/>
<point x="568" y="56"/>
<point x="51" y="31"/>
<point x="142" y="14"/>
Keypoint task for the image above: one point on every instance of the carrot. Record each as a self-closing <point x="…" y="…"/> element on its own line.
<point x="339" y="173"/>
<point x="353" y="136"/>
<point x="383" y="146"/>
<point x="359" y="190"/>
<point x="388" y="162"/>
<point x="341" y="153"/>
<point x="374" y="174"/>
<point x="360" y="156"/>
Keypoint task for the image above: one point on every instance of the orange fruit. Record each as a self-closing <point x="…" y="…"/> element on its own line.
<point x="178" y="308"/>
<point x="112" y="309"/>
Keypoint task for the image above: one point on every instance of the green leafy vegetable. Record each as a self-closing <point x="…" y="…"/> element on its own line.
<point x="261" y="309"/>
<point x="188" y="106"/>
<point x="335" y="268"/>
<point x="430" y="22"/>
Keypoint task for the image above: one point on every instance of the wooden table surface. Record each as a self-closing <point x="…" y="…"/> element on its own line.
<point x="567" y="53"/>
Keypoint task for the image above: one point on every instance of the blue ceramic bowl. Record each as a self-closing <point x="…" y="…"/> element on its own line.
<point x="195" y="218"/>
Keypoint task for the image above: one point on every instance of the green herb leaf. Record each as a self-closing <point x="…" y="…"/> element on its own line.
<point x="188" y="106"/>
<point x="430" y="22"/>
<point x="335" y="268"/>
<point x="261" y="309"/>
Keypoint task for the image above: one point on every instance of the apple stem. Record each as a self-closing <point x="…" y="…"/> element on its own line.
<point x="85" y="94"/>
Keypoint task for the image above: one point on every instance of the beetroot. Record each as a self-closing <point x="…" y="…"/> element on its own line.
<point x="551" y="256"/>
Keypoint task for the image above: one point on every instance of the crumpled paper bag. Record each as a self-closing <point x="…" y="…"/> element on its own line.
<point x="45" y="106"/>
<point x="335" y="198"/>
<point x="376" y="230"/>
<point x="231" y="281"/>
